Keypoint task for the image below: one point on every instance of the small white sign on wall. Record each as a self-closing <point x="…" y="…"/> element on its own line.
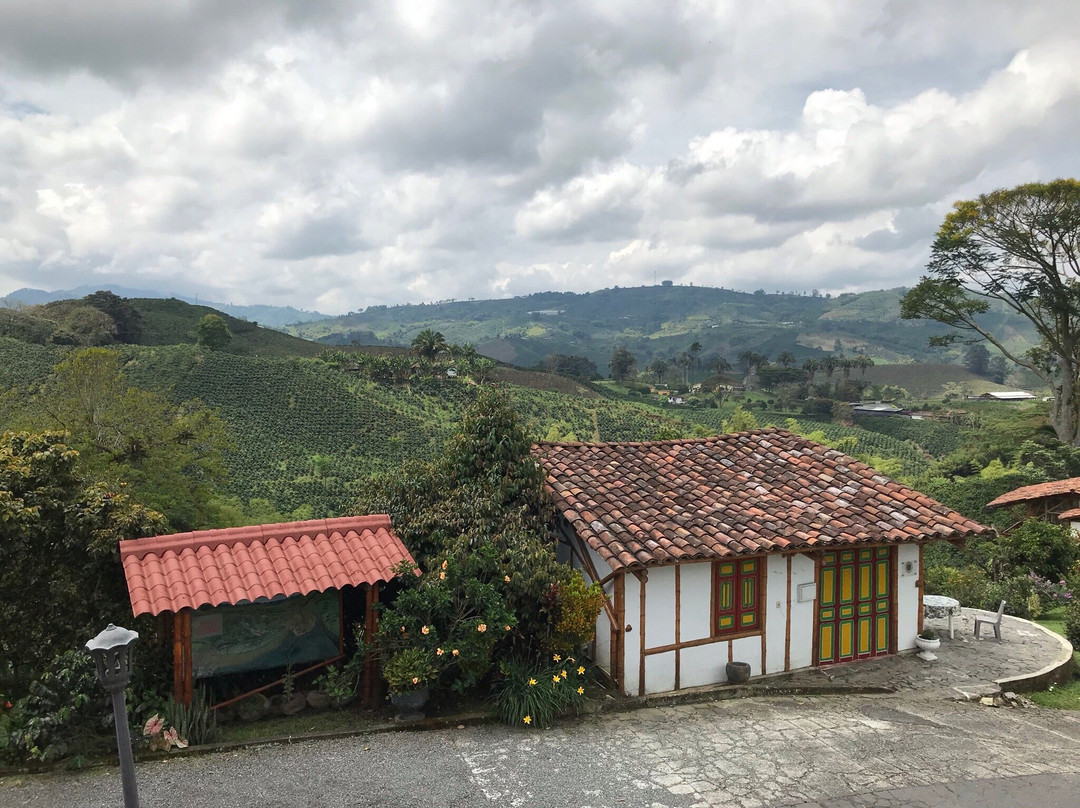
<point x="806" y="592"/>
<point x="909" y="568"/>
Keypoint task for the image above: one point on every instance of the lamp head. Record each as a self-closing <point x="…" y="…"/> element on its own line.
<point x="111" y="651"/>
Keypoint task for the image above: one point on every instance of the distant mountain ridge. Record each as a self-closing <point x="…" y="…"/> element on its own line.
<point x="269" y="316"/>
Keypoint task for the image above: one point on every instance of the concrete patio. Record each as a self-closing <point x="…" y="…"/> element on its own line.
<point x="1027" y="658"/>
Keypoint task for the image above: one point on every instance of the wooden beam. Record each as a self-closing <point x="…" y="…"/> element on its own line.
<point x="787" y="630"/>
<point x="643" y="578"/>
<point x="663" y="649"/>
<point x="618" y="634"/>
<point x="678" y="622"/>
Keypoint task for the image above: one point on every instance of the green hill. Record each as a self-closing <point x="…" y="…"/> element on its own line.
<point x="659" y="321"/>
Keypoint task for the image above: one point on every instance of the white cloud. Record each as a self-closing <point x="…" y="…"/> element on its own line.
<point x="324" y="154"/>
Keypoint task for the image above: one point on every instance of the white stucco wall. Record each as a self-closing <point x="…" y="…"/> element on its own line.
<point x="703" y="664"/>
<point x="802" y="614"/>
<point x="907" y="596"/>
<point x="660" y="608"/>
<point x="659" y="670"/>
<point x="776" y="568"/>
<point x="695" y="587"/>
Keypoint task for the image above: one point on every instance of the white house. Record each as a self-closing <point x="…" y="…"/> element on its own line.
<point x="760" y="547"/>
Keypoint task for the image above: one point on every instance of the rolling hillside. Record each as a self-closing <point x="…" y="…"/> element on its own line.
<point x="660" y="321"/>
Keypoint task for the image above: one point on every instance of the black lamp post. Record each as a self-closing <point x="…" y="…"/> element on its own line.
<point x="111" y="651"/>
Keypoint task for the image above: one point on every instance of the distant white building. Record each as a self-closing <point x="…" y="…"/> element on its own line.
<point x="1010" y="395"/>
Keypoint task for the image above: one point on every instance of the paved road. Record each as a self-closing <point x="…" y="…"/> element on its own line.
<point x="838" y="752"/>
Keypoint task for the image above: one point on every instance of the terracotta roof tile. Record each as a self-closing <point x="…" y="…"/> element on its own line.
<point x="642" y="504"/>
<point x="238" y="565"/>
<point x="1042" y="490"/>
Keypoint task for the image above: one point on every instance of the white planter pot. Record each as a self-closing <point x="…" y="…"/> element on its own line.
<point x="927" y="645"/>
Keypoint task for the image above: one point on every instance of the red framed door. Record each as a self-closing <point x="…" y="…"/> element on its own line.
<point x="854" y="605"/>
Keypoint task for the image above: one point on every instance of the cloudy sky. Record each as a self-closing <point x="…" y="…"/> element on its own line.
<point x="333" y="154"/>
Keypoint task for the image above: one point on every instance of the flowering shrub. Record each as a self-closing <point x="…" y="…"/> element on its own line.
<point x="1072" y="624"/>
<point x="1050" y="594"/>
<point x="409" y="669"/>
<point x="534" y="694"/>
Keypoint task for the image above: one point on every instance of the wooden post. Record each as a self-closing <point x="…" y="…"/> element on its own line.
<point x="370" y="628"/>
<point x="922" y="575"/>
<point x="787" y="630"/>
<point x="182" y="684"/>
<point x="618" y="635"/>
<point x="642" y="577"/>
<point x="678" y="622"/>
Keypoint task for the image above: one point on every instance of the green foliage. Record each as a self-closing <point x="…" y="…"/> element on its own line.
<point x="59" y="569"/>
<point x="740" y="421"/>
<point x="196" y="723"/>
<point x="1017" y="592"/>
<point x="1072" y="623"/>
<point x="1039" y="547"/>
<point x="213" y="332"/>
<point x="623" y="365"/>
<point x="575" y="607"/>
<point x="169" y="457"/>
<point x="339" y="682"/>
<point x="429" y="344"/>
<point x="409" y="669"/>
<point x="65" y="702"/>
<point x="531" y="694"/>
<point x="968" y="585"/>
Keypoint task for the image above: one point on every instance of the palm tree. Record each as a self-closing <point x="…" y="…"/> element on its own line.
<point x="659" y="366"/>
<point x="864" y="363"/>
<point x="695" y="354"/>
<point x="429" y="344"/>
<point x="829" y="364"/>
<point x="718" y="365"/>
<point x="811" y="366"/>
<point x="786" y="358"/>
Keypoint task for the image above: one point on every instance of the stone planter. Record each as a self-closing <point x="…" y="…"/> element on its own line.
<point x="737" y="672"/>
<point x="409" y="704"/>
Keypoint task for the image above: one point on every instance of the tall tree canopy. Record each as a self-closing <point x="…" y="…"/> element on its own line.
<point x="623" y="364"/>
<point x="429" y="344"/>
<point x="1019" y="248"/>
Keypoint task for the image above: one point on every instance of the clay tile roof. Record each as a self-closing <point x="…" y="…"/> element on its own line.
<point x="644" y="504"/>
<point x="1040" y="491"/>
<point x="241" y="564"/>
<point x="1072" y="513"/>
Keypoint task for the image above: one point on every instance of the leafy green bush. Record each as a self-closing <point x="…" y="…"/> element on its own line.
<point x="967" y="584"/>
<point x="534" y="694"/>
<point x="196" y="723"/>
<point x="1018" y="594"/>
<point x="576" y="607"/>
<point x="1072" y="625"/>
<point x="409" y="669"/>
<point x="1039" y="547"/>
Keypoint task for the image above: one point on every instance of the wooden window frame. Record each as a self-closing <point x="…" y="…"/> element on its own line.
<point x="738" y="576"/>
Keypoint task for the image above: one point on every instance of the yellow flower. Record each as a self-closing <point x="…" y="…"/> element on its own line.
<point x="438" y="652"/>
<point x="557" y="658"/>
<point x="580" y="690"/>
<point x="527" y="719"/>
<point x="532" y="682"/>
<point x="482" y="628"/>
<point x="570" y="659"/>
<point x="562" y="674"/>
<point x="444" y="565"/>
<point x="442" y="576"/>
<point x="416" y="680"/>
<point x="454" y="652"/>
<point x="506" y="578"/>
<point x="507" y="628"/>
<point x="581" y="670"/>
<point x="555" y="679"/>
<point x="425" y="630"/>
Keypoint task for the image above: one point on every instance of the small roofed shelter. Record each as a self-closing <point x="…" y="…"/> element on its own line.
<point x="760" y="547"/>
<point x="262" y="597"/>
<point x="1009" y="395"/>
<point x="1057" y="501"/>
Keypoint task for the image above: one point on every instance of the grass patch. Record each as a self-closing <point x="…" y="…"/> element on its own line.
<point x="1064" y="696"/>
<point x="307" y="721"/>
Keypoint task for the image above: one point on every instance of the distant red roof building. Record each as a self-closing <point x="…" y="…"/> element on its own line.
<point x="647" y="504"/>
<point x="241" y="565"/>
<point x="1028" y="493"/>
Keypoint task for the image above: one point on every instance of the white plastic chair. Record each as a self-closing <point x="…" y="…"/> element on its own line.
<point x="993" y="622"/>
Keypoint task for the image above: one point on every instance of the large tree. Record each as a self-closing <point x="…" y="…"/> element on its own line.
<point x="429" y="344"/>
<point x="1018" y="248"/>
<point x="623" y="365"/>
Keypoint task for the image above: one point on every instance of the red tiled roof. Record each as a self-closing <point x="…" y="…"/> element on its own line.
<point x="1072" y="513"/>
<point x="1040" y="491"/>
<point x="643" y="504"/>
<point x="241" y="564"/>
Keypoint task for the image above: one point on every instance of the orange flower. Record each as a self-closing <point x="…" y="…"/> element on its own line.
<point x="425" y="630"/>
<point x="444" y="565"/>
<point x="438" y="652"/>
<point x="442" y="576"/>
<point x="416" y="680"/>
<point x="482" y="628"/>
<point x="454" y="652"/>
<point x="507" y="628"/>
<point x="506" y="578"/>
